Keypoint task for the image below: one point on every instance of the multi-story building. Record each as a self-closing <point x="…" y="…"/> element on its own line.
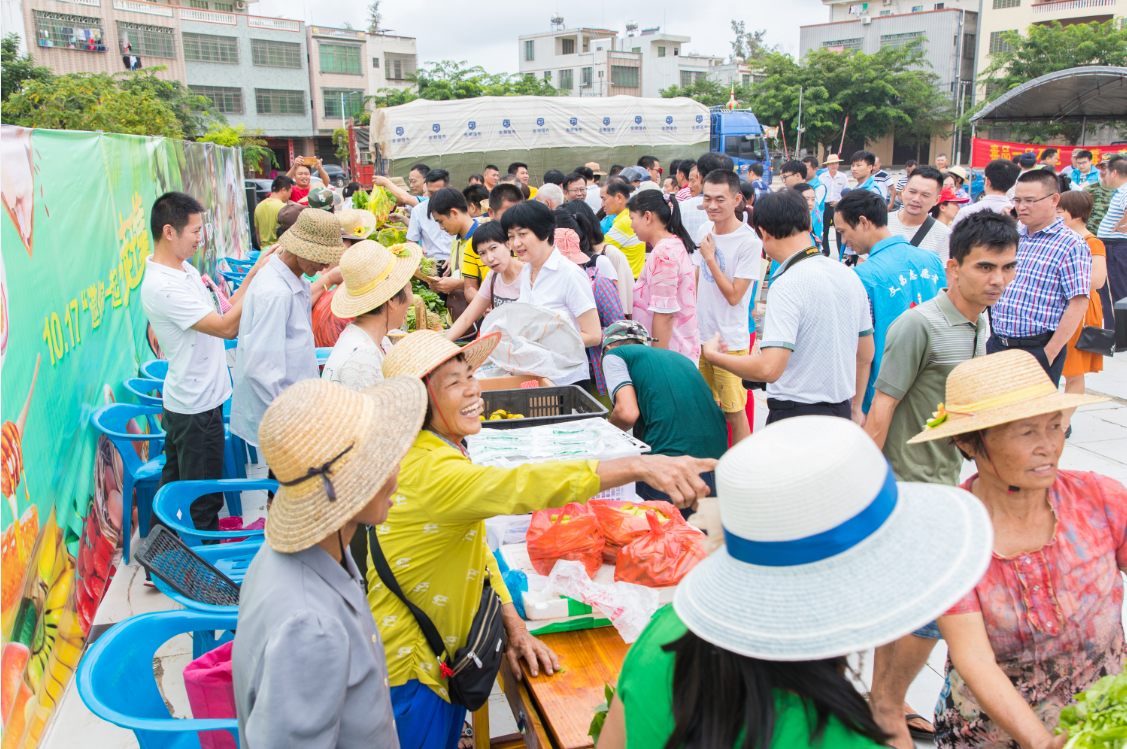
<point x="393" y="59"/>
<point x="338" y="82"/>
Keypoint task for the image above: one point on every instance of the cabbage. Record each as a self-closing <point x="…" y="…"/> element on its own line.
<point x="1098" y="720"/>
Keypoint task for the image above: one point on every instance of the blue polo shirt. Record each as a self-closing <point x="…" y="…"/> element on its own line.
<point x="873" y="186"/>
<point x="897" y="276"/>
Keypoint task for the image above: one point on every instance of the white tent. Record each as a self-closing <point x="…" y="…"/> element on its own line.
<point x="502" y="123"/>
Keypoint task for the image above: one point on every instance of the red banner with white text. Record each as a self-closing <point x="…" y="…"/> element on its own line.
<point x="984" y="151"/>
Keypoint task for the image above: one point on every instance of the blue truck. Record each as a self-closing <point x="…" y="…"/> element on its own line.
<point x="737" y="133"/>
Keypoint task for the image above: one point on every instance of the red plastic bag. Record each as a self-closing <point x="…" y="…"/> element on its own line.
<point x="623" y="521"/>
<point x="661" y="557"/>
<point x="571" y="532"/>
<point x="211" y="694"/>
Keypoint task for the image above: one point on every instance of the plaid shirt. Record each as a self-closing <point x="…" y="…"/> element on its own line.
<point x="1053" y="266"/>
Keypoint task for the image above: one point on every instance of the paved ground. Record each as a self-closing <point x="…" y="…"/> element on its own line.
<point x="1099" y="443"/>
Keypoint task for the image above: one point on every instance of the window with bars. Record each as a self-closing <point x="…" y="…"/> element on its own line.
<point x="223" y="7"/>
<point x="548" y="76"/>
<point x="567" y="79"/>
<point x="353" y="102"/>
<point x="689" y="77"/>
<point x="67" y="31"/>
<point x="901" y="40"/>
<point x="198" y="4"/>
<point x="998" y="43"/>
<point x="277" y="101"/>
<point x="530" y="49"/>
<point x="340" y="58"/>
<point x="854" y="44"/>
<point x="1000" y="4"/>
<point x="567" y="46"/>
<point x="660" y="51"/>
<point x="225" y="100"/>
<point x="585" y="76"/>
<point x="397" y="67"/>
<point x="375" y="63"/>
<point x="268" y="53"/>
<point x="147" y="41"/>
<point x="209" y="48"/>
<point x="624" y="75"/>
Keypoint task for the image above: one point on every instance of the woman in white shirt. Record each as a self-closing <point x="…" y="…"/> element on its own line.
<point x="549" y="280"/>
<point x="376" y="292"/>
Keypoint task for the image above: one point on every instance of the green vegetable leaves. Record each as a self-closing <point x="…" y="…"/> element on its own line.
<point x="433" y="300"/>
<point x="596" y="727"/>
<point x="1098" y="720"/>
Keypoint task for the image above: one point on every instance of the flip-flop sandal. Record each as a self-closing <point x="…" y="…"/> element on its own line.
<point x="467" y="733"/>
<point x="919" y="733"/>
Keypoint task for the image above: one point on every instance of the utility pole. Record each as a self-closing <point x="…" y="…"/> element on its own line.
<point x="800" y="128"/>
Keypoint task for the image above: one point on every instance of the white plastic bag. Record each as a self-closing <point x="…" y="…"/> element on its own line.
<point x="628" y="606"/>
<point x="535" y="341"/>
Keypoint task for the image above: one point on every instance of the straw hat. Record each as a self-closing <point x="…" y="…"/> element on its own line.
<point x="423" y="351"/>
<point x="829" y="553"/>
<point x="594" y="167"/>
<point x="372" y="275"/>
<point x="833" y="159"/>
<point x="356" y="223"/>
<point x="368" y="435"/>
<point x="996" y="389"/>
<point x="315" y="236"/>
<point x="958" y="171"/>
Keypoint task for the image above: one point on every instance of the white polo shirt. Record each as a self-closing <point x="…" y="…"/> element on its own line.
<point x="174" y="301"/>
<point x="425" y="232"/>
<point x="594" y="197"/>
<point x="818" y="309"/>
<point x="561" y="286"/>
<point x="834" y="184"/>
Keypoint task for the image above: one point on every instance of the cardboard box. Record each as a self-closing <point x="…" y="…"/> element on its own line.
<point x="512" y="382"/>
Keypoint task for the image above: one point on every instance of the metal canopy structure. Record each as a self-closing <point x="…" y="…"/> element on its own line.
<point x="1095" y="92"/>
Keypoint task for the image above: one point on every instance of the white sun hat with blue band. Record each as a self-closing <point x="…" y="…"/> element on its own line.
<point x="825" y="553"/>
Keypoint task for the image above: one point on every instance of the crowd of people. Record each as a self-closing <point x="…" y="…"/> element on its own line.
<point x="930" y="331"/>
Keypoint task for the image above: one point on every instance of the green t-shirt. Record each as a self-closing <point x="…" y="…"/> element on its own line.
<point x="923" y="345"/>
<point x="266" y="221"/>
<point x="645" y="688"/>
<point x="677" y="413"/>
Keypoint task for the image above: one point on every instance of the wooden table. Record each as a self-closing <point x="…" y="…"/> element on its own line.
<point x="554" y="712"/>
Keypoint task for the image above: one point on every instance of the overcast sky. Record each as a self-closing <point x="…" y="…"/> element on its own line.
<point x="486" y="33"/>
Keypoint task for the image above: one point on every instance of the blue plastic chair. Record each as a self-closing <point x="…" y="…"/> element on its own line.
<point x="142" y="389"/>
<point x="111" y="420"/>
<point x="233" y="278"/>
<point x="116" y="680"/>
<point x="155" y="369"/>
<point x="237" y="265"/>
<point x="173" y="504"/>
<point x="323" y="353"/>
<point x="230" y="559"/>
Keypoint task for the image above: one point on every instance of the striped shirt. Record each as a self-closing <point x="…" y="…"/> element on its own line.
<point x="622" y="236"/>
<point x="1053" y="266"/>
<point x="923" y="345"/>
<point x="1101" y="199"/>
<point x="684" y="194"/>
<point x="1114" y="215"/>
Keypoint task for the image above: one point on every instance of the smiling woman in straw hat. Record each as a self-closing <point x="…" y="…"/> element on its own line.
<point x="307" y="662"/>
<point x="824" y="554"/>
<point x="1045" y="621"/>
<point x="434" y="537"/>
<point x="376" y="293"/>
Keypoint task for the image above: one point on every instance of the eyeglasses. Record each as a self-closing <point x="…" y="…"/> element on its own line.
<point x="1026" y="201"/>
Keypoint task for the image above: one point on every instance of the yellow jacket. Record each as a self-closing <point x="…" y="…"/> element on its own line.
<point x="434" y="541"/>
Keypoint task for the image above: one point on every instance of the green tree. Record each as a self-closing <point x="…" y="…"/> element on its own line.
<point x="17" y="70"/>
<point x="195" y="113"/>
<point x="1046" y="49"/>
<point x="256" y="155"/>
<point x="748" y="46"/>
<point x="375" y="18"/>
<point x="447" y="80"/>
<point x="85" y="101"/>
<point x="340" y="143"/>
<point x="709" y="92"/>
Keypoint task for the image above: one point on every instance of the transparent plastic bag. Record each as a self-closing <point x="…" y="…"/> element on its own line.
<point x="662" y="556"/>
<point x="571" y="532"/>
<point x="535" y="341"/>
<point x="629" y="607"/>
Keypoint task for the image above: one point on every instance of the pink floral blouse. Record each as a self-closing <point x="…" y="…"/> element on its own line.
<point x="668" y="284"/>
<point x="1054" y="616"/>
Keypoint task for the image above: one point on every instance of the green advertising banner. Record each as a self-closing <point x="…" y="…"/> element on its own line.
<point x="75" y="236"/>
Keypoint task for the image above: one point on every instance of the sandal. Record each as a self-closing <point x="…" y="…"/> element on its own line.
<point x="924" y="734"/>
<point x="466" y="739"/>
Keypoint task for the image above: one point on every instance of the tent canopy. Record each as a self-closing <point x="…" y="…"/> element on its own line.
<point x="1097" y="92"/>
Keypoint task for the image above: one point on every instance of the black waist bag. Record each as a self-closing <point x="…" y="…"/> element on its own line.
<point x="473" y="670"/>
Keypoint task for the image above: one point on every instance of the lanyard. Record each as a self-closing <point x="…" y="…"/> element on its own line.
<point x="794" y="260"/>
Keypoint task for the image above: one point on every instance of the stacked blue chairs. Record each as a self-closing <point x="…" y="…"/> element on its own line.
<point x="155" y="369"/>
<point x="116" y="680"/>
<point x="239" y="266"/>
<point x="173" y="507"/>
<point x="143" y="389"/>
<point x="234" y="278"/>
<point x="112" y="420"/>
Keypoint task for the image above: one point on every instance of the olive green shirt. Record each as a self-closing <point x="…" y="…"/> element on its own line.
<point x="923" y="345"/>
<point x="266" y="221"/>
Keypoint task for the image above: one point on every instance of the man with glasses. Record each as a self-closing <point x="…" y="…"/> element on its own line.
<point x="653" y="166"/>
<point x="1040" y="310"/>
<point x="575" y="187"/>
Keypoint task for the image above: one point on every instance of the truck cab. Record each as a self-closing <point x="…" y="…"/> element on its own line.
<point x="737" y="133"/>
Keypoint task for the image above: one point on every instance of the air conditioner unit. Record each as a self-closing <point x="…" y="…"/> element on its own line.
<point x="887" y="2"/>
<point x="866" y="20"/>
<point x="240" y="4"/>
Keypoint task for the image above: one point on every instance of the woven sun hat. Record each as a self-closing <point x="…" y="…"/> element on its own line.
<point x="833" y="159"/>
<point x="372" y="275"/>
<point x="828" y="552"/>
<point x="626" y="330"/>
<point x="958" y="171"/>
<point x="356" y="223"/>
<point x="423" y="351"/>
<point x="314" y="236"/>
<point x="594" y="167"/>
<point x="995" y="389"/>
<point x="327" y="475"/>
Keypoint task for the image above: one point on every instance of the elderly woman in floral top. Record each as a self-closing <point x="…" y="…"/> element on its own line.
<point x="1045" y="620"/>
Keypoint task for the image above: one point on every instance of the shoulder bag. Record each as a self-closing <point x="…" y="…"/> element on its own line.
<point x="471" y="673"/>
<point x="922" y="231"/>
<point x="1097" y="340"/>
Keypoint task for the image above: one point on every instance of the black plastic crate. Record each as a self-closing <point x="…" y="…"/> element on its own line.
<point x="541" y="405"/>
<point x="165" y="556"/>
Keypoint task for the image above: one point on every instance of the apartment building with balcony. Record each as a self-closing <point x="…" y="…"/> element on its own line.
<point x="393" y="58"/>
<point x="339" y="66"/>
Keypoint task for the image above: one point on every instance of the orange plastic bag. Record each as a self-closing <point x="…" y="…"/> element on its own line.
<point x="662" y="556"/>
<point x="623" y="521"/>
<point x="568" y="533"/>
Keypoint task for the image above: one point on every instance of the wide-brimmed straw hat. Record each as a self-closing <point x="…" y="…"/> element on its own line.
<point x="959" y="172"/>
<point x="996" y="389"/>
<point x="833" y="159"/>
<point x="594" y="167"/>
<point x="828" y="553"/>
<point x="423" y="351"/>
<point x="331" y="448"/>
<point x="315" y="236"/>
<point x="372" y="275"/>
<point x="356" y="223"/>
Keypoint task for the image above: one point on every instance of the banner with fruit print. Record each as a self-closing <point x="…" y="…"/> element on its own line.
<point x="75" y="235"/>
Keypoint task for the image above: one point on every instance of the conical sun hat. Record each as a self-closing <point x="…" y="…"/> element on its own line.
<point x="995" y="389"/>
<point x="331" y="448"/>
<point x="372" y="275"/>
<point x="356" y="223"/>
<point x="825" y="553"/>
<point x="314" y="236"/>
<point x="423" y="351"/>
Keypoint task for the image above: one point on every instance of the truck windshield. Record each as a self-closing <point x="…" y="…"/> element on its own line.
<point x="739" y="147"/>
